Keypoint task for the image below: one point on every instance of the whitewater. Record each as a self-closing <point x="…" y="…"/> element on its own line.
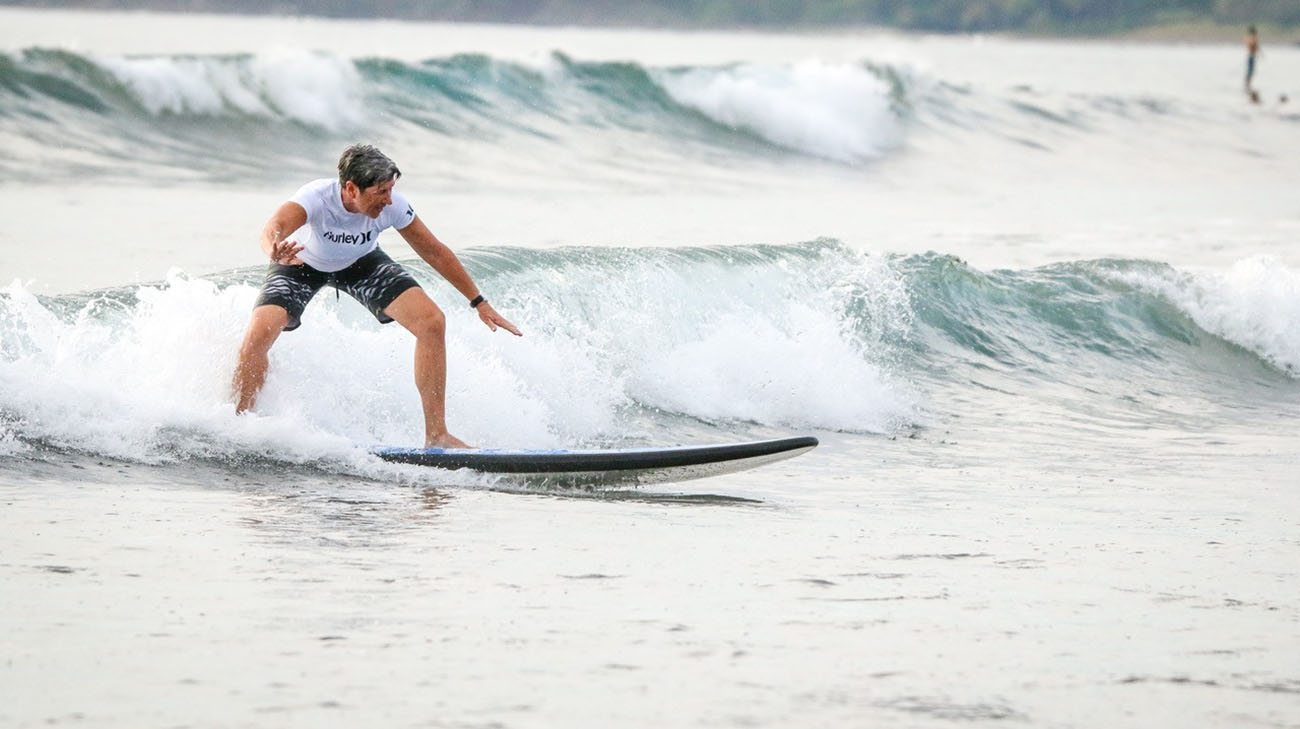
<point x="1038" y="299"/>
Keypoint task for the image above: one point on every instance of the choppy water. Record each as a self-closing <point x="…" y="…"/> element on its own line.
<point x="1039" y="300"/>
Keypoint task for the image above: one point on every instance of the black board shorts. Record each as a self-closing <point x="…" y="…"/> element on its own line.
<point x="374" y="279"/>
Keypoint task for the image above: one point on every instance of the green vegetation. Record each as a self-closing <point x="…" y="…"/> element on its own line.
<point x="1038" y="16"/>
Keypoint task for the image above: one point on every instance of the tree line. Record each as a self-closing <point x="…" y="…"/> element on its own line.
<point x="954" y="16"/>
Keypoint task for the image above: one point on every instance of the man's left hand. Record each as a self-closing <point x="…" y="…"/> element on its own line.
<point x="494" y="320"/>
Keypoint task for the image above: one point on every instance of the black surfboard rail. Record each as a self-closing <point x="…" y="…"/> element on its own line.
<point x="616" y="460"/>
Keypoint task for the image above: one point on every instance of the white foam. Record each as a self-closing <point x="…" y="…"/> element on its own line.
<point x="800" y="373"/>
<point x="838" y="111"/>
<point x="151" y="382"/>
<point x="771" y="342"/>
<point x="143" y="383"/>
<point x="318" y="89"/>
<point x="9" y="444"/>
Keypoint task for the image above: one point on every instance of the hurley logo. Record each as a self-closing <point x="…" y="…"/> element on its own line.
<point x="352" y="239"/>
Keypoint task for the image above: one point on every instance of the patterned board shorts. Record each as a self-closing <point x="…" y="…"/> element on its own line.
<point x="374" y="280"/>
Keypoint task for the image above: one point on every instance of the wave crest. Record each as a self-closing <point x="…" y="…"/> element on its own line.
<point x="1255" y="304"/>
<point x="841" y="112"/>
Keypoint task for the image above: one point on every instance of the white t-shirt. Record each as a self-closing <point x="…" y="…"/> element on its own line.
<point x="334" y="238"/>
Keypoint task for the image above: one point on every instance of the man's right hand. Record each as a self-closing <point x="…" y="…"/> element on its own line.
<point x="285" y="252"/>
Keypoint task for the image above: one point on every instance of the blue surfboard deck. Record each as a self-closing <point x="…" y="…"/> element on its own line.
<point x="614" y="466"/>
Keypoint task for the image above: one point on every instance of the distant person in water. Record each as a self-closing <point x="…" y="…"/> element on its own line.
<point x="339" y="222"/>
<point x="1252" y="50"/>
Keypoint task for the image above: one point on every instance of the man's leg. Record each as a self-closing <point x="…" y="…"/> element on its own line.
<point x="263" y="329"/>
<point x="414" y="310"/>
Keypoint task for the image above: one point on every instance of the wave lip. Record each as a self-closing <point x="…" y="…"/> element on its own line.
<point x="314" y="89"/>
<point x="1255" y="304"/>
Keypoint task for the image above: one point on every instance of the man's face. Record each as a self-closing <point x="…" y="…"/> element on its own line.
<point x="372" y="200"/>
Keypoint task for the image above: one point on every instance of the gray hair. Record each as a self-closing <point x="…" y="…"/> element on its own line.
<point x="366" y="166"/>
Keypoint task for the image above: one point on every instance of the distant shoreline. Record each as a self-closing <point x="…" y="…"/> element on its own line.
<point x="1207" y="32"/>
<point x="1179" y="32"/>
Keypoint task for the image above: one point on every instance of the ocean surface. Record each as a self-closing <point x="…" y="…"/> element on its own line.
<point x="1039" y="300"/>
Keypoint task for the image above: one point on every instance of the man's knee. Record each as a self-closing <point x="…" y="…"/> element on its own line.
<point x="414" y="310"/>
<point x="430" y="323"/>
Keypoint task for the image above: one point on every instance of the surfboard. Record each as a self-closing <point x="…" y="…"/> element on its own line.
<point x="614" y="466"/>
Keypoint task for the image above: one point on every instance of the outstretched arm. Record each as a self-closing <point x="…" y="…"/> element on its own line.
<point x="444" y="261"/>
<point x="288" y="218"/>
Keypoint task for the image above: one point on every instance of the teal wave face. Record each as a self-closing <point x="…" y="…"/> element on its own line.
<point x="60" y="76"/>
<point x="1032" y="317"/>
<point x="1165" y="347"/>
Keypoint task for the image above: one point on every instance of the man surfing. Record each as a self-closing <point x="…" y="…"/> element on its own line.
<point x="340" y="222"/>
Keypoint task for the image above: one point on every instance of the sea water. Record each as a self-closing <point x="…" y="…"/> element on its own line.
<point x="1040" y="301"/>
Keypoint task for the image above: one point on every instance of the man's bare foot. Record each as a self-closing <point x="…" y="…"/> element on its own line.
<point x="446" y="440"/>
